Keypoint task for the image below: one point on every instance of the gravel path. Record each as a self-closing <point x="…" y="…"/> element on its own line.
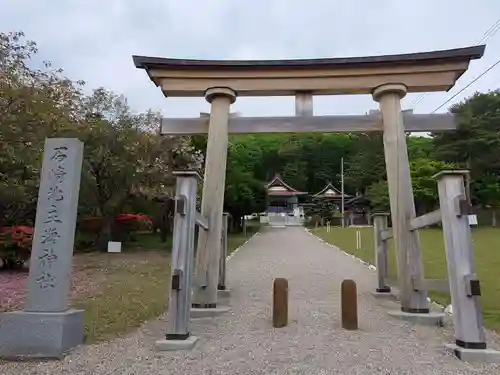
<point x="243" y="341"/>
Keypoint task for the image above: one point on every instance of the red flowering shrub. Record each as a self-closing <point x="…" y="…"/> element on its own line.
<point x="15" y="246"/>
<point x="128" y="224"/>
<point x="133" y="222"/>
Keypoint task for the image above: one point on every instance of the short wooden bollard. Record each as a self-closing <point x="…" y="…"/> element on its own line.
<point x="280" y="303"/>
<point x="349" y="305"/>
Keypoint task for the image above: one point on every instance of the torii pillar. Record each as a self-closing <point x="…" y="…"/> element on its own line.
<point x="209" y="242"/>
<point x="414" y="304"/>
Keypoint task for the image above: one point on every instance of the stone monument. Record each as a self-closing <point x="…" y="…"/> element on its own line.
<point x="47" y="327"/>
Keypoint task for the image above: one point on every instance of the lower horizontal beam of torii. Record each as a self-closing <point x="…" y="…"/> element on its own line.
<point x="309" y="124"/>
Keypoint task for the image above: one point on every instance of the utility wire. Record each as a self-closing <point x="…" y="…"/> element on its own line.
<point x="467" y="86"/>
<point x="487" y="35"/>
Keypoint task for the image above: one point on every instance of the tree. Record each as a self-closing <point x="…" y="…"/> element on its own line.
<point x="243" y="194"/>
<point x="34" y="104"/>
<point x="378" y="194"/>
<point x="487" y="192"/>
<point x="123" y="157"/>
<point x="366" y="166"/>
<point x="475" y="145"/>
<point x="425" y="190"/>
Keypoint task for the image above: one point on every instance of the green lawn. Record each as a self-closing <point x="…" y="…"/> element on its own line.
<point x="486" y="251"/>
<point x="134" y="287"/>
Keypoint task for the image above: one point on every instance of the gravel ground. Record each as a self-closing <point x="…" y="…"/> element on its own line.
<point x="244" y="342"/>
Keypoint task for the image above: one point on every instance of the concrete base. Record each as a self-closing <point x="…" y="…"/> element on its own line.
<point x="474" y="355"/>
<point x="26" y="334"/>
<point x="226" y="293"/>
<point x="208" y="313"/>
<point x="172" y="345"/>
<point x="389" y="296"/>
<point x="429" y="319"/>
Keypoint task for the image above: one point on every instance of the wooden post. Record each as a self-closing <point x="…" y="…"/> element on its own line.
<point x="409" y="258"/>
<point x="223" y="254"/>
<point x="208" y="251"/>
<point x="349" y="305"/>
<point x="464" y="284"/>
<point x="182" y="255"/>
<point x="303" y="104"/>
<point x="280" y="303"/>
<point x="381" y="252"/>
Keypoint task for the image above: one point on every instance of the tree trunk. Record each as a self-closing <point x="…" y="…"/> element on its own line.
<point x="105" y="235"/>
<point x="493" y="218"/>
<point x="237" y="227"/>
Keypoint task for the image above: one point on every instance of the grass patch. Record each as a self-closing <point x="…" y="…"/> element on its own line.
<point x="486" y="243"/>
<point x="134" y="287"/>
<point x="134" y="291"/>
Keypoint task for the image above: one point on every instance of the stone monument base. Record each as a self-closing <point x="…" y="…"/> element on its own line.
<point x="26" y="334"/>
<point x="473" y="355"/>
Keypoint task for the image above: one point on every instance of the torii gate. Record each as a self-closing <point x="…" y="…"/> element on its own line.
<point x="387" y="78"/>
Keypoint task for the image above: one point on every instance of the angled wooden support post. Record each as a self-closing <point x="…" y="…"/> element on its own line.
<point x="209" y="241"/>
<point x="381" y="252"/>
<point x="410" y="266"/>
<point x="178" y="335"/>
<point x="470" y="340"/>
<point x="223" y="254"/>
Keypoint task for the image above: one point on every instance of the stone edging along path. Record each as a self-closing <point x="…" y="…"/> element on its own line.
<point x="369" y="265"/>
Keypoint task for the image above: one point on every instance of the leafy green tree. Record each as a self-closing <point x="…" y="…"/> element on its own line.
<point x="244" y="194"/>
<point x="124" y="157"/>
<point x="487" y="192"/>
<point x="476" y="143"/>
<point x="34" y="104"/>
<point x="424" y="185"/>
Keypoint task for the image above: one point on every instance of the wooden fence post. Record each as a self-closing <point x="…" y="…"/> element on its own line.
<point x="381" y="252"/>
<point x="178" y="335"/>
<point x="470" y="340"/>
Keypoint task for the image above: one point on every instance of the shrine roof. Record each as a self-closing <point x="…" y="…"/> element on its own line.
<point x="330" y="191"/>
<point x="278" y="187"/>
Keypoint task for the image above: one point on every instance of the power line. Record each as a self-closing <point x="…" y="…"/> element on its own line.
<point x="468" y="85"/>
<point x="490" y="32"/>
<point x="487" y="35"/>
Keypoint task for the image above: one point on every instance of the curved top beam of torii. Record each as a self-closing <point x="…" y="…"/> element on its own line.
<point x="425" y="71"/>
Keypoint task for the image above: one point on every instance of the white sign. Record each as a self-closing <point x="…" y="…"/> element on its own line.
<point x="114" y="247"/>
<point x="472" y="219"/>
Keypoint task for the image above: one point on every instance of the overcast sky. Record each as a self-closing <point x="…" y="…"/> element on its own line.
<point x="95" y="40"/>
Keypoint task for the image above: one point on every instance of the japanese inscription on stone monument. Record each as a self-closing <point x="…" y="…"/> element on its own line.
<point x="50" y="264"/>
<point x="51" y="234"/>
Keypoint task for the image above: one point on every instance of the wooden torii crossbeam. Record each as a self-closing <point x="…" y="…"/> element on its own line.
<point x="308" y="124"/>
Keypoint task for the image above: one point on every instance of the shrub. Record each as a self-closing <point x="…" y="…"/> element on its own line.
<point x="15" y="246"/>
<point x="127" y="224"/>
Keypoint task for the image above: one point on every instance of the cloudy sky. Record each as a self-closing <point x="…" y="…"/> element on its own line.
<point x="95" y="40"/>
